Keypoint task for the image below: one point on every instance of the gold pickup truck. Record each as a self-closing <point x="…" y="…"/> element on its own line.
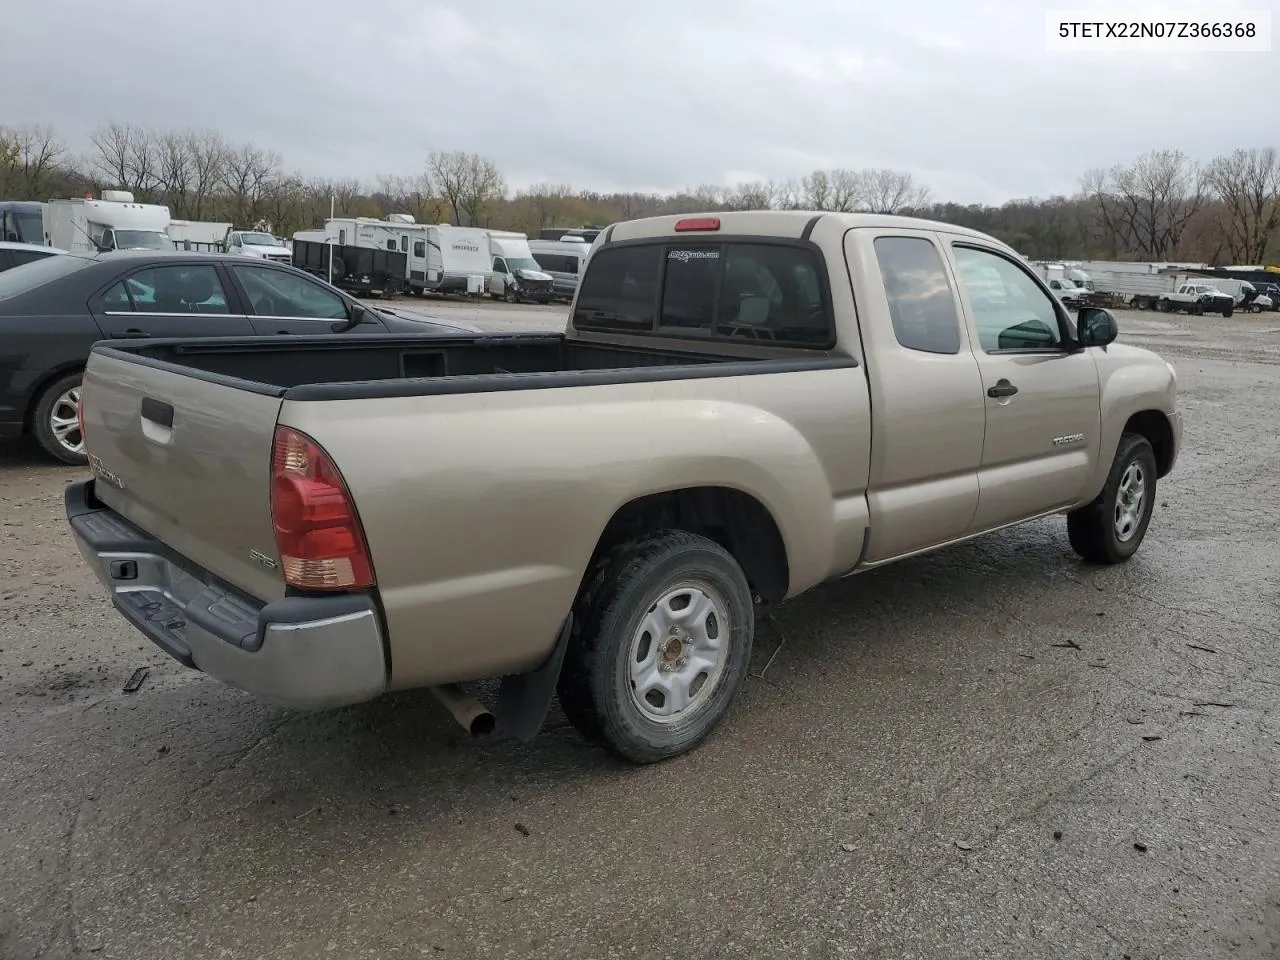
<point x="742" y="406"/>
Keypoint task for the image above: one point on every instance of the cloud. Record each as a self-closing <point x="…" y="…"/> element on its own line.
<point x="659" y="95"/>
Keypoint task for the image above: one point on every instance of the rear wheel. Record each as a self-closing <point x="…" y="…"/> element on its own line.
<point x="661" y="642"/>
<point x="55" y="420"/>
<point x="1111" y="528"/>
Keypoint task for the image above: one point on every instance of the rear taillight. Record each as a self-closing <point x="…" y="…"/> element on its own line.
<point x="318" y="533"/>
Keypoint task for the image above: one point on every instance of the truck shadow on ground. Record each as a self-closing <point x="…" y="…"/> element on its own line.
<point x="825" y="659"/>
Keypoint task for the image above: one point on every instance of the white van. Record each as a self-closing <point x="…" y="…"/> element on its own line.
<point x="564" y="260"/>
<point x="516" y="275"/>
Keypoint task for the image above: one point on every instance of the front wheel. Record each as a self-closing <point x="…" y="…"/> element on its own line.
<point x="661" y="642"/>
<point x="509" y="293"/>
<point x="1111" y="528"/>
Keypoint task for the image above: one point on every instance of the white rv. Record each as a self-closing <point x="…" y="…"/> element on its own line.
<point x="516" y="275"/>
<point x="114" y="222"/>
<point x="564" y="260"/>
<point x="203" y="236"/>
<point x="449" y="259"/>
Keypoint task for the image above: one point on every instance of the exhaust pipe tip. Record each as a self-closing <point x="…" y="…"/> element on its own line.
<point x="471" y="714"/>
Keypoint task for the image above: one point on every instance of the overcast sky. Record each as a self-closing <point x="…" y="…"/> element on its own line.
<point x="651" y="95"/>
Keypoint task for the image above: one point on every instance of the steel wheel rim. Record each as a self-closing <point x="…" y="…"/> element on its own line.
<point x="678" y="653"/>
<point x="64" y="421"/>
<point x="1131" y="497"/>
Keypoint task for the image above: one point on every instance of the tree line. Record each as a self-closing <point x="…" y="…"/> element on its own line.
<point x="1162" y="206"/>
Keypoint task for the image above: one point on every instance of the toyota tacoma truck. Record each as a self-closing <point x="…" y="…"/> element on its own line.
<point x="741" y="406"/>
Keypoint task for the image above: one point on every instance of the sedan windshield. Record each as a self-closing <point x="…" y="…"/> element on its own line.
<point x="18" y="280"/>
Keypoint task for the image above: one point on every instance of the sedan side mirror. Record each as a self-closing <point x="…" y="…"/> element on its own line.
<point x="357" y="317"/>
<point x="1097" y="327"/>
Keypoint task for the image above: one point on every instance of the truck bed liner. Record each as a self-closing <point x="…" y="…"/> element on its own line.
<point x="360" y="367"/>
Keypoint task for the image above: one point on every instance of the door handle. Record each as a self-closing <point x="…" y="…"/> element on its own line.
<point x="133" y="333"/>
<point x="157" y="411"/>
<point x="1003" y="388"/>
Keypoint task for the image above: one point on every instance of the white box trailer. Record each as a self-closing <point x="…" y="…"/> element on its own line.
<point x="203" y="236"/>
<point x="114" y="222"/>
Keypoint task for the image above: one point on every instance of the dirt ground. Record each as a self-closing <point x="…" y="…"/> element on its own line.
<point x="993" y="751"/>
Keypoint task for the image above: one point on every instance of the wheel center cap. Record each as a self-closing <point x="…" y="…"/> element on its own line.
<point x="672" y="649"/>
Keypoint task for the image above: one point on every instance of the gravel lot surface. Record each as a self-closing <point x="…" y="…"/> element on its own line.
<point x="993" y="751"/>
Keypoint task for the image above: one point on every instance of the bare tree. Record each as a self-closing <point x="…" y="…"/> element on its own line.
<point x="755" y="195"/>
<point x="468" y="182"/>
<point x="1247" y="184"/>
<point x="891" y="191"/>
<point x="126" y="157"/>
<point x="1149" y="204"/>
<point x="208" y="152"/>
<point x="30" y="158"/>
<point x="247" y="174"/>
<point x="838" y="190"/>
<point x="175" y="167"/>
<point x="412" y="195"/>
<point x="10" y="183"/>
<point x="786" y="194"/>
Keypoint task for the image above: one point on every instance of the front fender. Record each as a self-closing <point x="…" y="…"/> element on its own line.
<point x="1130" y="381"/>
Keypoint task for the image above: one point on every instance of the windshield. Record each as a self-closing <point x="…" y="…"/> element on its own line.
<point x="142" y="240"/>
<point x="18" y="280"/>
<point x="30" y="227"/>
<point x="523" y="263"/>
<point x="260" y="240"/>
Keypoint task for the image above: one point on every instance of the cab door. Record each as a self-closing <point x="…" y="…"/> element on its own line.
<point x="927" y="405"/>
<point x="1041" y="393"/>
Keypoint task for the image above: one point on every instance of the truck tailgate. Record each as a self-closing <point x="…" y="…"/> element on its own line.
<point x="189" y="461"/>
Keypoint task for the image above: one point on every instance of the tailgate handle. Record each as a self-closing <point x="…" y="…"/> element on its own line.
<point x="157" y="411"/>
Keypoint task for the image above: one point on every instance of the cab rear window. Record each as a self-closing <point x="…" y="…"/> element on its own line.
<point x="768" y="292"/>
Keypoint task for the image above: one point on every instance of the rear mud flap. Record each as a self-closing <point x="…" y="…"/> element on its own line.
<point x="525" y="698"/>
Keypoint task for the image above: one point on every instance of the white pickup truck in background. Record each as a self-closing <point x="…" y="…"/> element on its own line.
<point x="259" y="244"/>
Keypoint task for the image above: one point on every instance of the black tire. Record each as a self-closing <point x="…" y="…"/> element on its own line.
<point x="509" y="294"/>
<point x="41" y="416"/>
<point x="1092" y="529"/>
<point x="1198" y="309"/>
<point x="595" y="687"/>
<point x="1227" y="312"/>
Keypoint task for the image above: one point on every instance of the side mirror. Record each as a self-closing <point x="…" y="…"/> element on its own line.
<point x="357" y="317"/>
<point x="1097" y="327"/>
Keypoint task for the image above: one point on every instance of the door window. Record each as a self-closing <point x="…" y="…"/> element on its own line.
<point x="276" y="293"/>
<point x="921" y="304"/>
<point x="419" y="249"/>
<point x="1010" y="310"/>
<point x="180" y="289"/>
<point x="499" y="265"/>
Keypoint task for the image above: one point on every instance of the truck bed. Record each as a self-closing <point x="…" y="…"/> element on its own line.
<point x="359" y="367"/>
